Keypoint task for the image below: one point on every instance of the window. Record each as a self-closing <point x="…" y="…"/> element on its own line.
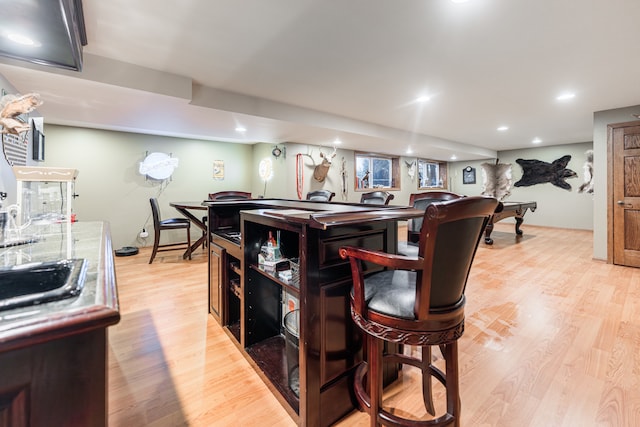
<point x="376" y="171"/>
<point x="432" y="174"/>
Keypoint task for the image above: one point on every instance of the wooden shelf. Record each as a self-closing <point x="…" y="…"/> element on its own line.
<point x="269" y="355"/>
<point x="234" y="329"/>
<point x="288" y="286"/>
<point x="235" y="267"/>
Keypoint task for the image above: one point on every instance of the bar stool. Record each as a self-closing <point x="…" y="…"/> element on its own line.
<point x="376" y="198"/>
<point x="418" y="302"/>
<point x="224" y="196"/>
<point x="420" y="201"/>
<point x="321" y="195"/>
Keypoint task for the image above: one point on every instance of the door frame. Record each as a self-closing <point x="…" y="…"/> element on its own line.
<point x="610" y="178"/>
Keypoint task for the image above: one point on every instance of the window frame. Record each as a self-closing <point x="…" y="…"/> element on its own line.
<point x="394" y="177"/>
<point x="442" y="174"/>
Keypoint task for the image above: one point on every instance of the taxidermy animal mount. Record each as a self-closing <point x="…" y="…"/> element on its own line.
<point x="587" y="186"/>
<point x="496" y="180"/>
<point x="411" y="169"/>
<point x="539" y="172"/>
<point x="320" y="171"/>
<point x="12" y="106"/>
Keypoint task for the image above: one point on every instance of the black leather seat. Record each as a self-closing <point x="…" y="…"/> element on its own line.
<point x="168" y="224"/>
<point x="419" y="302"/>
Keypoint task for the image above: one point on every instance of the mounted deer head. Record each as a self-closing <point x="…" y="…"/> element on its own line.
<point x="411" y="169"/>
<point x="321" y="170"/>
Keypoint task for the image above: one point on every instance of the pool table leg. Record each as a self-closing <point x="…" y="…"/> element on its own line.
<point x="487" y="233"/>
<point x="519" y="222"/>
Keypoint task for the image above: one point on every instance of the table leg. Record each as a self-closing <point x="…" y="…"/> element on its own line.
<point x="487" y="233"/>
<point x="198" y="223"/>
<point x="519" y="222"/>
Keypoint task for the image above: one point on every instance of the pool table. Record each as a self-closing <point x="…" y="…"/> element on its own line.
<point x="509" y="209"/>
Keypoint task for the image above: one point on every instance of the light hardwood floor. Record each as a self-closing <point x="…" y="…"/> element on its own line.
<point x="552" y="339"/>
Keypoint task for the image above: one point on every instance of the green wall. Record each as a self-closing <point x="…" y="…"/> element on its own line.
<point x="557" y="207"/>
<point x="111" y="189"/>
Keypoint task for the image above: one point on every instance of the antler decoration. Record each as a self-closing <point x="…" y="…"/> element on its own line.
<point x="11" y="106"/>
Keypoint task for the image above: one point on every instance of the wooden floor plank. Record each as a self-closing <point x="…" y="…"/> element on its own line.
<point x="552" y="338"/>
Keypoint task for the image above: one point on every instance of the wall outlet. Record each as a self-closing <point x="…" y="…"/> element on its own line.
<point x="144" y="233"/>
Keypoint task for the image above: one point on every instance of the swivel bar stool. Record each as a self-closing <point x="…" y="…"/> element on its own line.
<point x="419" y="302"/>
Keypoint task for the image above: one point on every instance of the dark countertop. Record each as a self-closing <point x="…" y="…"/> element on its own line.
<point x="95" y="307"/>
<point x="321" y="214"/>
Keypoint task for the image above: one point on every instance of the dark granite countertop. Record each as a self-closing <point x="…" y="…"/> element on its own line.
<point x="95" y="307"/>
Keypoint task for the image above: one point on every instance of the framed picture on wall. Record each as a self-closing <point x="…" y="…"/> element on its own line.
<point x="469" y="175"/>
<point x="218" y="170"/>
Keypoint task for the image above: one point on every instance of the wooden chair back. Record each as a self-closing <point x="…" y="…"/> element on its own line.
<point x="422" y="201"/>
<point x="320" y="195"/>
<point x="376" y="198"/>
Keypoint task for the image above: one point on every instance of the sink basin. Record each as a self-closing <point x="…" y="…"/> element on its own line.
<point x="40" y="282"/>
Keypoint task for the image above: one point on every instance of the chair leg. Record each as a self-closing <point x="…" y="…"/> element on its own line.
<point x="189" y="242"/>
<point x="453" y="387"/>
<point x="153" y="254"/>
<point x="156" y="243"/>
<point x="375" y="361"/>
<point x="427" y="394"/>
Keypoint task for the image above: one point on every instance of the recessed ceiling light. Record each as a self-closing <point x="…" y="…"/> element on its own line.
<point x="536" y="140"/>
<point x="241" y="129"/>
<point x="459" y="1"/>
<point x="453" y="157"/>
<point x="565" y="96"/>
<point x="423" y="98"/>
<point x="503" y="128"/>
<point x="409" y="151"/>
<point x="337" y="141"/>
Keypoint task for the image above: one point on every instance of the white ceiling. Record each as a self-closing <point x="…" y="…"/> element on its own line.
<point x="311" y="71"/>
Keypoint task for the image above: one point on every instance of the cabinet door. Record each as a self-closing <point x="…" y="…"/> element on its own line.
<point x="215" y="279"/>
<point x="15" y="381"/>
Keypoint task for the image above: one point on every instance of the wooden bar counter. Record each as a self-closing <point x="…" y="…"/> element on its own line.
<point x="53" y="355"/>
<point x="251" y="302"/>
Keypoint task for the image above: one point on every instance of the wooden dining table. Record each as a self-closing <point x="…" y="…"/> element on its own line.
<point x="185" y="209"/>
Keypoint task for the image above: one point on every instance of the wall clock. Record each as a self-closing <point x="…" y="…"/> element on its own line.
<point x="469" y="175"/>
